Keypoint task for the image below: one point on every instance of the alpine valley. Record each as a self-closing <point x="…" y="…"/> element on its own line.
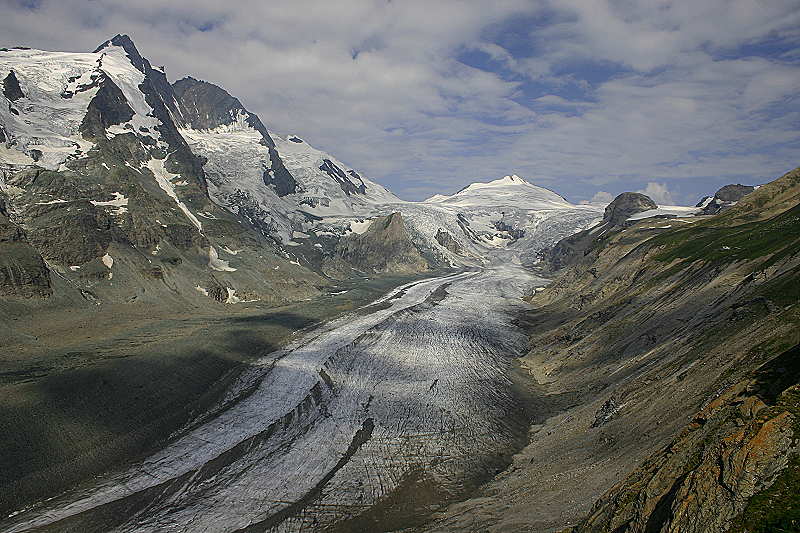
<point x="209" y="326"/>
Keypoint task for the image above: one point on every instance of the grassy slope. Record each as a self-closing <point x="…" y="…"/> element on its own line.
<point x="759" y="242"/>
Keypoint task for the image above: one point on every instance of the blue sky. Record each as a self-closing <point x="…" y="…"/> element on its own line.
<point x="675" y="98"/>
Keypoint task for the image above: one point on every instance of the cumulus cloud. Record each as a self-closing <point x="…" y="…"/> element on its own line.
<point x="566" y="93"/>
<point x="659" y="193"/>
<point x="602" y="197"/>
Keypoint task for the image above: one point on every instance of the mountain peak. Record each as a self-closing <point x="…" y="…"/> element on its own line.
<point x="126" y="43"/>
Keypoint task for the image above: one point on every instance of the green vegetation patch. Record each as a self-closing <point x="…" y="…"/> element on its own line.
<point x="778" y="236"/>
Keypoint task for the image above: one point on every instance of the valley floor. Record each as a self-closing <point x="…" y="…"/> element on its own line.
<point x="86" y="388"/>
<point x="369" y="422"/>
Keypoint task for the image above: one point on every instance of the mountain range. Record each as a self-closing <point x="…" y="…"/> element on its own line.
<point x="159" y="243"/>
<point x="125" y="187"/>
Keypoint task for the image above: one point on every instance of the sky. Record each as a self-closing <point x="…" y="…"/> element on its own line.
<point x="588" y="98"/>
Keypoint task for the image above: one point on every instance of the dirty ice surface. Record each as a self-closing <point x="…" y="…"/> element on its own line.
<point x="418" y="385"/>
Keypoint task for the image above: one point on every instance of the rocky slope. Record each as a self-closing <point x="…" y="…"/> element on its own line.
<point x="724" y="198"/>
<point x="665" y="360"/>
<point x="22" y="270"/>
<point x="570" y="249"/>
<point x="384" y="246"/>
<point x="108" y="192"/>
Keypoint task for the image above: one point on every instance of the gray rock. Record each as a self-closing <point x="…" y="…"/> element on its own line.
<point x="724" y="198"/>
<point x="385" y="247"/>
<point x="11" y="88"/>
<point x="625" y="205"/>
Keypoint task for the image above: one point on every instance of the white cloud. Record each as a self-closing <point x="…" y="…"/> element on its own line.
<point x="659" y="193"/>
<point x="379" y="83"/>
<point x="602" y="197"/>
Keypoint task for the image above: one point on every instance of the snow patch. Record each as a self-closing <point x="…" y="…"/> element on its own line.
<point x="108" y="261"/>
<point x="360" y="226"/>
<point x="215" y="263"/>
<point x="163" y="178"/>
<point x="51" y="202"/>
<point x="675" y="210"/>
<point x="119" y="203"/>
<point x="232" y="298"/>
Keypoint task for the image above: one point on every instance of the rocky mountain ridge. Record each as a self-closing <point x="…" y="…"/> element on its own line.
<point x="132" y="188"/>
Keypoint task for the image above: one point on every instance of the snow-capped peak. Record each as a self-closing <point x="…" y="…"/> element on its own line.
<point x="508" y="190"/>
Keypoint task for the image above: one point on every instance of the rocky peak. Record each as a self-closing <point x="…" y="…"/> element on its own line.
<point x="733" y="193"/>
<point x="125" y="42"/>
<point x="389" y="227"/>
<point x="724" y="198"/>
<point x="625" y="205"/>
<point x="384" y="247"/>
<point x="11" y="88"/>
<point x="205" y="106"/>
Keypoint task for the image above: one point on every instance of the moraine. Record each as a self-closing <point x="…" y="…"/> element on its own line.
<point x="403" y="405"/>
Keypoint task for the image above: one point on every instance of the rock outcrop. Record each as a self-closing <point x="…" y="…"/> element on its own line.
<point x="23" y="272"/>
<point x="736" y="447"/>
<point x="625" y="205"/>
<point x="205" y="106"/>
<point x="570" y="249"/>
<point x="384" y="247"/>
<point x="444" y="238"/>
<point x="724" y="198"/>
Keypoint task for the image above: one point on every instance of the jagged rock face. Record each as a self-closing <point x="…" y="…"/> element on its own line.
<point x="445" y="239"/>
<point x="344" y="180"/>
<point x="733" y="449"/>
<point x="724" y="198"/>
<point x="205" y="106"/>
<point x="384" y="247"/>
<point x="23" y="272"/>
<point x="107" y="108"/>
<point x="97" y="172"/>
<point x="11" y="88"/>
<point x="625" y="205"/>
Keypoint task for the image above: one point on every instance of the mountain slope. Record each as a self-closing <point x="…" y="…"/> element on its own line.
<point x="384" y="247"/>
<point x="95" y="171"/>
<point x="662" y="322"/>
<point x="270" y="180"/>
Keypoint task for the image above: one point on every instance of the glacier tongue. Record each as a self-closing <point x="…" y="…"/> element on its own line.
<point x="342" y="418"/>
